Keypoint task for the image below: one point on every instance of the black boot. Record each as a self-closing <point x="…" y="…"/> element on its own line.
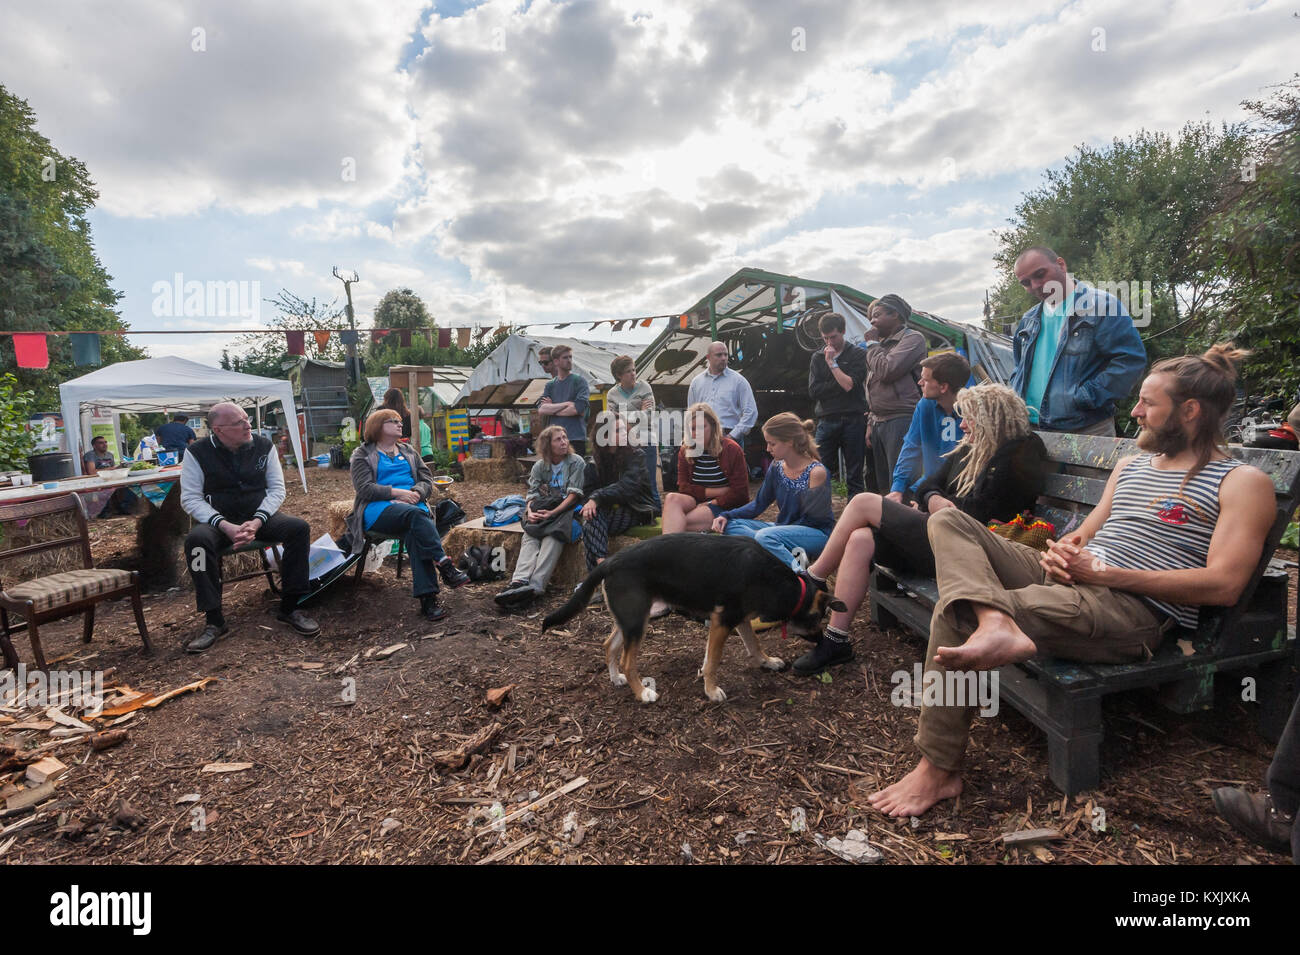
<point x="452" y="575"/>
<point x="430" y="609"/>
<point x="833" y="648"/>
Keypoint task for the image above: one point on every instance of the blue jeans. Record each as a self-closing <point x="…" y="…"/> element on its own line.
<point x="782" y="539"/>
<point x="416" y="528"/>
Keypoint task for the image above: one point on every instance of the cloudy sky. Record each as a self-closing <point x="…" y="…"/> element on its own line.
<point x="541" y="162"/>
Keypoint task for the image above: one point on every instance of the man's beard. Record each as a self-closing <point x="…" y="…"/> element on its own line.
<point x="1169" y="440"/>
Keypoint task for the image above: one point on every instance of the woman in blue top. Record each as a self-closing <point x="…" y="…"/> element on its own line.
<point x="392" y="484"/>
<point x="800" y="486"/>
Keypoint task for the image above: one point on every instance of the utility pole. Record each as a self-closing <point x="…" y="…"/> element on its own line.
<point x="354" y="363"/>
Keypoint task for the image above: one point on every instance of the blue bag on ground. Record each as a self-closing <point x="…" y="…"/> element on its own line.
<point x="503" y="511"/>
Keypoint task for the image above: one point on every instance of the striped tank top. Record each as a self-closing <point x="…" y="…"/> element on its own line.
<point x="1156" y="525"/>
<point x="707" y="472"/>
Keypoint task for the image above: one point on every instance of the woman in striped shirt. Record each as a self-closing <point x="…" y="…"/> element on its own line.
<point x="711" y="474"/>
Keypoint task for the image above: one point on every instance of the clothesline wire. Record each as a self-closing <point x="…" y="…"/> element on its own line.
<point x="281" y="331"/>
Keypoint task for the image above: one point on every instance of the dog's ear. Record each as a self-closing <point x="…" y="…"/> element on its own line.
<point x="839" y="606"/>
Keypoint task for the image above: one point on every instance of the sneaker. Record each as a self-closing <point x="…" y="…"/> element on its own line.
<point x="1254" y="816"/>
<point x="304" y="624"/>
<point x="451" y="575"/>
<point x="516" y="593"/>
<point x="430" y="607"/>
<point x="827" y="653"/>
<point x="210" y="635"/>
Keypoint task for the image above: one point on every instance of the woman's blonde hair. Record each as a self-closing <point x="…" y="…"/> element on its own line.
<point x="996" y="415"/>
<point x="714" y="447"/>
<point x="788" y="427"/>
<point x="545" y="438"/>
<point x="375" y="423"/>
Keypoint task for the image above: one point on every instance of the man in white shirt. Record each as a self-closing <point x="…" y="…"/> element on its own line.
<point x="727" y="393"/>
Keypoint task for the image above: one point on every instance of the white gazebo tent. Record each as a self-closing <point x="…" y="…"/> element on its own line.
<point x="171" y="384"/>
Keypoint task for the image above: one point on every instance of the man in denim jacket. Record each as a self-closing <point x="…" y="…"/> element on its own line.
<point x="1077" y="352"/>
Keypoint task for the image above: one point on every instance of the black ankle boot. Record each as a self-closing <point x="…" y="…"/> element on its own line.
<point x="430" y="609"/>
<point x="829" y="652"/>
<point x="452" y="575"/>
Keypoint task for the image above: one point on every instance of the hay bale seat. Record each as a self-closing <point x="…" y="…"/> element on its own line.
<point x="490" y="470"/>
<point x="572" y="566"/>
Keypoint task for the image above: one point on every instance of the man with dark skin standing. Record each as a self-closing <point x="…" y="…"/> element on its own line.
<point x="233" y="486"/>
<point x="893" y="357"/>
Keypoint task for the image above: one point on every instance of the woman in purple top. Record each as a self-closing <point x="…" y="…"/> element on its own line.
<point x="799" y="484"/>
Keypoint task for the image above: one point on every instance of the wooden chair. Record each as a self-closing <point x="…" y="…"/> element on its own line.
<point x="57" y="595"/>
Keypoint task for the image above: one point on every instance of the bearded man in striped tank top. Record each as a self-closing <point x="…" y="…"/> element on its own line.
<point x="1178" y="527"/>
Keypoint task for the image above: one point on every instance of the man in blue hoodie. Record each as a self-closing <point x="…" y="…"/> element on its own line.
<point x="936" y="427"/>
<point x="1077" y="352"/>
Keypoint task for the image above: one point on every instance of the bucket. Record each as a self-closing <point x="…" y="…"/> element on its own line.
<point x="51" y="466"/>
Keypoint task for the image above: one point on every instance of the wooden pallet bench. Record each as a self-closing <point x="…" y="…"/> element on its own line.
<point x="1063" y="698"/>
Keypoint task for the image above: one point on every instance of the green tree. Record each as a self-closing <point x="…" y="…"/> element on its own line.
<point x="1253" y="241"/>
<point x="1131" y="212"/>
<point x="402" y="308"/>
<point x="50" y="277"/>
<point x="16" y="442"/>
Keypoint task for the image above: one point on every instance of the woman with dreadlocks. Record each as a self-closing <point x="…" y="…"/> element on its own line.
<point x="996" y="471"/>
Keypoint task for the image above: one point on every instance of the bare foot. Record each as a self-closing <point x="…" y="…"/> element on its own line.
<point x="990" y="646"/>
<point x="916" y="792"/>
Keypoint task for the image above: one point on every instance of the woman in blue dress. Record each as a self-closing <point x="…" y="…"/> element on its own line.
<point x="392" y="484"/>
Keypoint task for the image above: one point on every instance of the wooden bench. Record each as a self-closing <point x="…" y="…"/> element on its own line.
<point x="1063" y="698"/>
<point x="43" y="538"/>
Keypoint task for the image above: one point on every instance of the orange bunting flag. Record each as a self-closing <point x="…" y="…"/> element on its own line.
<point x="645" y="323"/>
<point x="682" y="320"/>
<point x="322" y="340"/>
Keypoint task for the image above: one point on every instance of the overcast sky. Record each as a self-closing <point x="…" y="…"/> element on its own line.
<point x="536" y="162"/>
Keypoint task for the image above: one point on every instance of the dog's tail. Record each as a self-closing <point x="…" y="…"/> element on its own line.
<point x="578" y="602"/>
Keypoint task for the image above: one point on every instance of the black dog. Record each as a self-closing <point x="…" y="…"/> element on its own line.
<point x="730" y="578"/>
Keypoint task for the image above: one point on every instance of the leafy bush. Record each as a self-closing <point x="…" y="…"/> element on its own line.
<point x="16" y="442"/>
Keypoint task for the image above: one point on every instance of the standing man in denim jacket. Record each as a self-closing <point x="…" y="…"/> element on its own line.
<point x="1077" y="352"/>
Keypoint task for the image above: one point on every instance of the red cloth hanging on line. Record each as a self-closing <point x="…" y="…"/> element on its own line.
<point x="31" y="351"/>
<point x="296" y="342"/>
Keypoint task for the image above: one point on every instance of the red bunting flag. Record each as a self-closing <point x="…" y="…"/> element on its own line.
<point x="297" y="342"/>
<point x="444" y="338"/>
<point x="404" y="336"/>
<point x="377" y="335"/>
<point x="31" y="351"/>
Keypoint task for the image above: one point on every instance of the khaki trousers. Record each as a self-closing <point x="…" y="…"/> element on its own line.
<point x="1083" y="622"/>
